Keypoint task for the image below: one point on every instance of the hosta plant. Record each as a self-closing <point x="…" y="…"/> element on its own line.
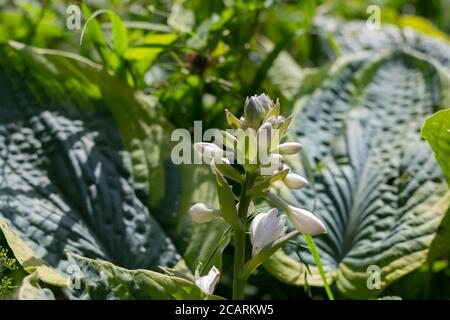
<point x="254" y="146"/>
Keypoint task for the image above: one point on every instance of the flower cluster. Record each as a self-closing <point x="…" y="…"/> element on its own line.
<point x="252" y="155"/>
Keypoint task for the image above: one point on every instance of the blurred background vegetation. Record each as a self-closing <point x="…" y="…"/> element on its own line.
<point x="205" y="51"/>
<point x="195" y="58"/>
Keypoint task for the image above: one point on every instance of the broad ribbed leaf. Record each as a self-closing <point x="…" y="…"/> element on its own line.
<point x="104" y="280"/>
<point x="436" y="131"/>
<point x="28" y="260"/>
<point x="81" y="157"/>
<point x="374" y="182"/>
<point x="75" y="145"/>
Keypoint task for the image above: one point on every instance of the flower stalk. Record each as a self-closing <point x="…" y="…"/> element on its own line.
<point x="240" y="240"/>
<point x="253" y="157"/>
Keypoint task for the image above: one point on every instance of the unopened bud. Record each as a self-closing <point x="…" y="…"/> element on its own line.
<point x="295" y="181"/>
<point x="253" y="112"/>
<point x="289" y="148"/>
<point x="265" y="101"/>
<point x="305" y="221"/>
<point x="200" y="213"/>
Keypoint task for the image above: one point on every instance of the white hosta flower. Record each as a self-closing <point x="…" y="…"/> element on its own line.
<point x="208" y="283"/>
<point x="305" y="221"/>
<point x="266" y="228"/>
<point x="289" y="148"/>
<point x="294" y="181"/>
<point x="201" y="213"/>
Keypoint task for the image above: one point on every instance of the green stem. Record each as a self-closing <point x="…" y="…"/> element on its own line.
<point x="240" y="237"/>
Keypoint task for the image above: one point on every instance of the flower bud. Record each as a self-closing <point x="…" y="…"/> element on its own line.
<point x="289" y="148"/>
<point x="265" y="101"/>
<point x="305" y="222"/>
<point x="294" y="181"/>
<point x="208" y="283"/>
<point x="253" y="112"/>
<point x="200" y="213"/>
<point x="266" y="228"/>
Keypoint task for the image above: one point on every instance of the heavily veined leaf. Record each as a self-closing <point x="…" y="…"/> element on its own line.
<point x="147" y="140"/>
<point x="436" y="131"/>
<point x="74" y="156"/>
<point x="85" y="193"/>
<point x="28" y="259"/>
<point x="374" y="181"/>
<point x="104" y="280"/>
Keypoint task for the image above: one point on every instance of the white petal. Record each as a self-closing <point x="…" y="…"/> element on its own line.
<point x="294" y="181"/>
<point x="208" y="283"/>
<point x="266" y="228"/>
<point x="200" y="213"/>
<point x="305" y="221"/>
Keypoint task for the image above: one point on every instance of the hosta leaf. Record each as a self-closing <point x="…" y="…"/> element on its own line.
<point x="28" y="260"/>
<point x="375" y="183"/>
<point x="130" y="138"/>
<point x="104" y="280"/>
<point x="436" y="131"/>
<point x="75" y="145"/>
